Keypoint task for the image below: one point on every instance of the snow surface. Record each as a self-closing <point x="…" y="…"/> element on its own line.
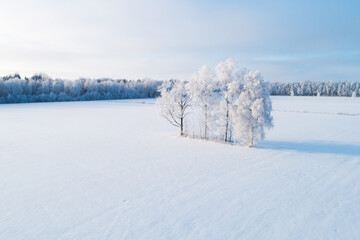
<point x="116" y="170"/>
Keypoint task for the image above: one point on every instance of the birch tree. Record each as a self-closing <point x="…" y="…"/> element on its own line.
<point x="201" y="92"/>
<point x="174" y="102"/>
<point x="252" y="111"/>
<point x="230" y="83"/>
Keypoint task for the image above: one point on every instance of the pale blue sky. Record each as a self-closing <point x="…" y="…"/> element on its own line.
<point x="285" y="40"/>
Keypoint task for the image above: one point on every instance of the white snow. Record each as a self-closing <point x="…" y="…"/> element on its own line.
<point x="116" y="170"/>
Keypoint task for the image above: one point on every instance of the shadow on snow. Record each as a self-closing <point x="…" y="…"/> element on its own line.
<point x="313" y="147"/>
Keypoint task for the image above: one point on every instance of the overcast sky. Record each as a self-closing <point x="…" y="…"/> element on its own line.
<point x="285" y="40"/>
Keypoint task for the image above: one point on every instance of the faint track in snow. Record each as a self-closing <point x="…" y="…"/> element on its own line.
<point x="117" y="219"/>
<point x="88" y="220"/>
<point x="325" y="113"/>
<point x="150" y="101"/>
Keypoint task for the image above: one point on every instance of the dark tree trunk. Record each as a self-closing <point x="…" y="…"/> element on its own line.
<point x="227" y="123"/>
<point x="181" y="126"/>
<point x="206" y="119"/>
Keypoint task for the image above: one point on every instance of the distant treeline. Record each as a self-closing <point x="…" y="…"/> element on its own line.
<point x="41" y="88"/>
<point x="308" y="88"/>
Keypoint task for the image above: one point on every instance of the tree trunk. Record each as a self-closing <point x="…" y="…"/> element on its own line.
<point x="252" y="137"/>
<point x="206" y="118"/>
<point x="227" y="122"/>
<point x="182" y="126"/>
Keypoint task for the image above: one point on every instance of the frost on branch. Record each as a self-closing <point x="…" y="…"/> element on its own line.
<point x="232" y="105"/>
<point x="201" y="92"/>
<point x="174" y="102"/>
<point x="42" y="88"/>
<point x="229" y="82"/>
<point x="252" y="110"/>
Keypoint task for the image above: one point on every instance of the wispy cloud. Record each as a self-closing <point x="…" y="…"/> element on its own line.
<point x="171" y="39"/>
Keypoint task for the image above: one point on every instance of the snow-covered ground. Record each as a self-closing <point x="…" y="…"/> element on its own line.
<point x="116" y="170"/>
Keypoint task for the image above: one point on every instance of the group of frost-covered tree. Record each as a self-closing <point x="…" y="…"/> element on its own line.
<point x="308" y="88"/>
<point x="230" y="104"/>
<point x="41" y="88"/>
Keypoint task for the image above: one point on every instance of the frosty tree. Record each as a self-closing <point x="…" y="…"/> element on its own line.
<point x="174" y="102"/>
<point x="308" y="88"/>
<point x="233" y="105"/>
<point x="252" y="111"/>
<point x="292" y="93"/>
<point x="201" y="92"/>
<point x="224" y="71"/>
<point x="229" y="90"/>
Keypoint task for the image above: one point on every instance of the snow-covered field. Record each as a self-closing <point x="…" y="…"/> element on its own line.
<point x="116" y="170"/>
